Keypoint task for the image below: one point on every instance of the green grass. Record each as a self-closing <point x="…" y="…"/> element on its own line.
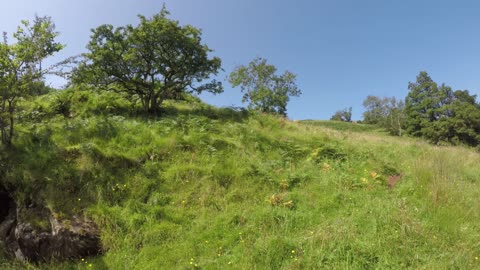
<point x="343" y="126"/>
<point x="207" y="188"/>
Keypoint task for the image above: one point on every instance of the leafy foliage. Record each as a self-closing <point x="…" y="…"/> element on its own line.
<point x="441" y="114"/>
<point x="344" y="115"/>
<point x="153" y="61"/>
<point x="21" y="69"/>
<point x="262" y="88"/>
<point x="386" y="112"/>
<point x="421" y="103"/>
<point x="375" y="109"/>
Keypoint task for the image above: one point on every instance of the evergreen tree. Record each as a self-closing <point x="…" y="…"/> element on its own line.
<point x="420" y="104"/>
<point x="440" y="114"/>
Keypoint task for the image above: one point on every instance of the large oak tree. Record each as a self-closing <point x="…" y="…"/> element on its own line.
<point x="156" y="60"/>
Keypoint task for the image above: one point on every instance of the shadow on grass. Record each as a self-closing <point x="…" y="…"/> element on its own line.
<point x="37" y="170"/>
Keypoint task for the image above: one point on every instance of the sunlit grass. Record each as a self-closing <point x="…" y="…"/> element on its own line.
<point x="207" y="188"/>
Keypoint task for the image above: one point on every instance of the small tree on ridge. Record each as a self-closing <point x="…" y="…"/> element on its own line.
<point x="262" y="88"/>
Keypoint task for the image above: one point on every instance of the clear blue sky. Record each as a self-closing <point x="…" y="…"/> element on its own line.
<point x="341" y="50"/>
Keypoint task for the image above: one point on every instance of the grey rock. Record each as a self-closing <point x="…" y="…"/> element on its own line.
<point x="35" y="234"/>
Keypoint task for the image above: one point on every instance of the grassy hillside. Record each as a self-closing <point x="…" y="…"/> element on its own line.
<point x="343" y="126"/>
<point x="207" y="188"/>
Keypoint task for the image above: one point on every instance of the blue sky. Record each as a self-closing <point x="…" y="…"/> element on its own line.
<point x="341" y="50"/>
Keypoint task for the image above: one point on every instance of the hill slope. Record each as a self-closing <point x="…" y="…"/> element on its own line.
<point x="207" y="188"/>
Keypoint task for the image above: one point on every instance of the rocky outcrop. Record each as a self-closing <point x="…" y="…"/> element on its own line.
<point x="35" y="234"/>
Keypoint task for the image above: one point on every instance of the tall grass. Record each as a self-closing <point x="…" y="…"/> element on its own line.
<point x="207" y="188"/>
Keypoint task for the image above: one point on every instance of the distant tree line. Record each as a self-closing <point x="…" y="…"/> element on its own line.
<point x="431" y="111"/>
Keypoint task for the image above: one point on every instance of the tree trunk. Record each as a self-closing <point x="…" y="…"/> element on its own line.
<point x="145" y="102"/>
<point x="399" y="127"/>
<point x="2" y="122"/>
<point x="153" y="97"/>
<point x="11" y="116"/>
<point x="153" y="105"/>
<point x="5" y="132"/>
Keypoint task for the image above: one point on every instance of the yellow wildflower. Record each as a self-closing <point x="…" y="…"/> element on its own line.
<point x="325" y="167"/>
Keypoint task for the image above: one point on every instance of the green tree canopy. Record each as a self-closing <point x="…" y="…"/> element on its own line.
<point x="421" y="103"/>
<point x="395" y="119"/>
<point x="344" y="115"/>
<point x="458" y="119"/>
<point x="386" y="112"/>
<point x="263" y="88"/>
<point x="440" y="114"/>
<point x="156" y="60"/>
<point x="21" y="69"/>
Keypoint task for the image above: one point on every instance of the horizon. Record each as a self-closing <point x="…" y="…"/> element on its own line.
<point x="341" y="51"/>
